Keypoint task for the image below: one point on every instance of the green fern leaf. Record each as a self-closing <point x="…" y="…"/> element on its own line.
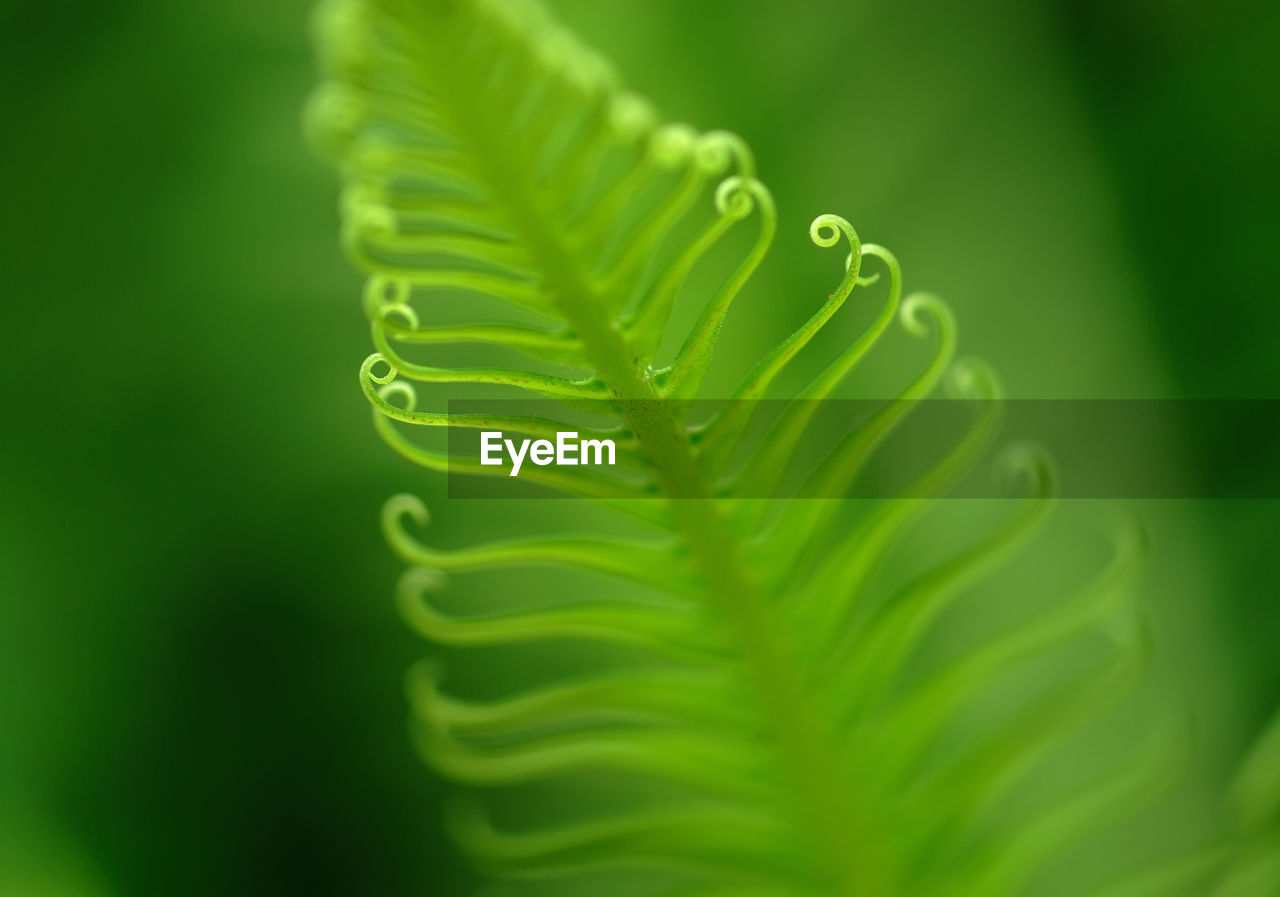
<point x="1245" y="861"/>
<point x="756" y="725"/>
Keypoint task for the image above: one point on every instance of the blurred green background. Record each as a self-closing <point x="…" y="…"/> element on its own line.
<point x="200" y="663"/>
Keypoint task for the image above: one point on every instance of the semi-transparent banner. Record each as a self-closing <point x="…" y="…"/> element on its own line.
<point x="835" y="449"/>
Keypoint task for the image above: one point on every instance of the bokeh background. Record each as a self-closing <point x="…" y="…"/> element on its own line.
<point x="200" y="663"/>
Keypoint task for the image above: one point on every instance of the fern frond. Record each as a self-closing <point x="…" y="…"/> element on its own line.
<point x="761" y="724"/>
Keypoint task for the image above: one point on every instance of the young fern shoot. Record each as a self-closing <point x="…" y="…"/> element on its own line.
<point x="762" y="728"/>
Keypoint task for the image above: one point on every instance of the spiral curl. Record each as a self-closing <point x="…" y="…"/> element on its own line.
<point x="921" y="313"/>
<point x="717" y="150"/>
<point x="672" y="145"/>
<point x="630" y="117"/>
<point x="737" y="196"/>
<point x="367" y="372"/>
<point x="1027" y="463"/>
<point x="973" y="378"/>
